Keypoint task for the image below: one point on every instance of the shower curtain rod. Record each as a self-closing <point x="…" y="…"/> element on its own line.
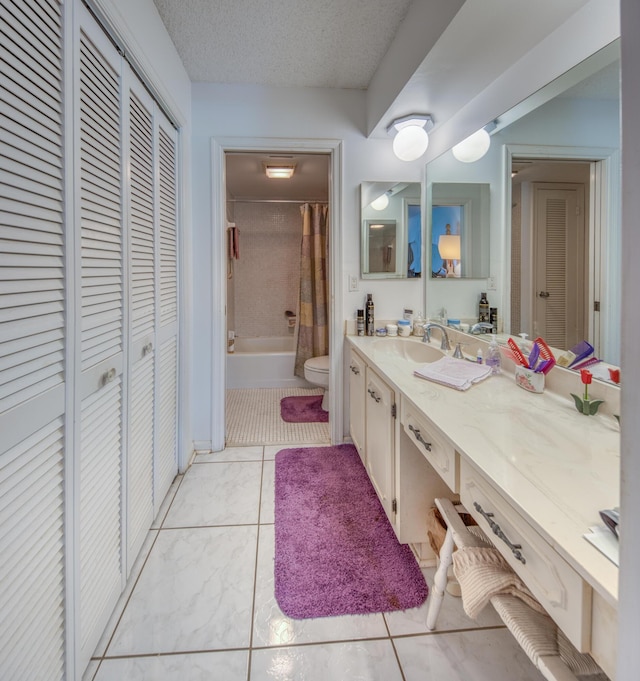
<point x="272" y="201"/>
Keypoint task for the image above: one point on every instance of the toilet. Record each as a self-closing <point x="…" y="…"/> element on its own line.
<point x="316" y="371"/>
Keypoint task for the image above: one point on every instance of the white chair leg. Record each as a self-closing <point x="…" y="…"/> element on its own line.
<point x="440" y="581"/>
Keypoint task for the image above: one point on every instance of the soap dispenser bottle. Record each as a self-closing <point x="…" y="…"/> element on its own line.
<point x="493" y="358"/>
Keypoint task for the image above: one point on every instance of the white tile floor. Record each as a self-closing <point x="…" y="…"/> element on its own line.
<point x="201" y="604"/>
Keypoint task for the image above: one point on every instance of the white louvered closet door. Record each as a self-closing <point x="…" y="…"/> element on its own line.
<point x="165" y="459"/>
<point x="32" y="336"/>
<point x="100" y="276"/>
<point x="142" y="316"/>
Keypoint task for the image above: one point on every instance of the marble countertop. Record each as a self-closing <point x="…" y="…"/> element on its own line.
<point x="557" y="467"/>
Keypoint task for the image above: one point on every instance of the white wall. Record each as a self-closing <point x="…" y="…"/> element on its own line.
<point x="239" y="111"/>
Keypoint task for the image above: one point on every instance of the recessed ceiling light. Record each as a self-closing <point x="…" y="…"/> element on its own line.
<point x="279" y="172"/>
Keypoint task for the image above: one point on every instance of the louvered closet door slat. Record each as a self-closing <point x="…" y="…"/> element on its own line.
<point x="140" y="474"/>
<point x="166" y="406"/>
<point x="31" y="531"/>
<point x="168" y="230"/>
<point x="100" y="206"/>
<point x="100" y="435"/>
<point x="31" y="218"/>
<point x="141" y="229"/>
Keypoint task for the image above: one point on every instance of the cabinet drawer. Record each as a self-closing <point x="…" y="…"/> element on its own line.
<point x="434" y="447"/>
<point x="558" y="587"/>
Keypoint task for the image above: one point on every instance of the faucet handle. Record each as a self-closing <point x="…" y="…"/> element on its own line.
<point x="457" y="353"/>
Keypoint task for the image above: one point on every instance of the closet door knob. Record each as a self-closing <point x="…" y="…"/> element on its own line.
<point x="108" y="376"/>
<point x="147" y="349"/>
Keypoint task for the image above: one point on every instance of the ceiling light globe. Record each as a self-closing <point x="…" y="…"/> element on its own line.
<point x="473" y="148"/>
<point x="410" y="143"/>
<point x="380" y="203"/>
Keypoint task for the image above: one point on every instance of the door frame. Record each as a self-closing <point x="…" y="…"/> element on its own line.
<point x="604" y="210"/>
<point x="219" y="147"/>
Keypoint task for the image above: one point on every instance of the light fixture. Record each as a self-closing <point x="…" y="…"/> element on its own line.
<point x="279" y="172"/>
<point x="411" y="139"/>
<point x="381" y="202"/>
<point x="449" y="250"/>
<point x="376" y="226"/>
<point x="474" y="147"/>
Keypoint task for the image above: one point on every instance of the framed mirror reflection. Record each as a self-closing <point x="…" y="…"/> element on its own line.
<point x="391" y="243"/>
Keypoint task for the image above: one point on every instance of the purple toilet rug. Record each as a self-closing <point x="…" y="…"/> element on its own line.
<point x="303" y="409"/>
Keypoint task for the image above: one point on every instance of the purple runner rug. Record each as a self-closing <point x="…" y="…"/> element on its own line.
<point x="335" y="552"/>
<point x="303" y="409"/>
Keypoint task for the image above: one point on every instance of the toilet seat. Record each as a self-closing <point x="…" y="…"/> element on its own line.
<point x="318" y="364"/>
<point x="316" y="370"/>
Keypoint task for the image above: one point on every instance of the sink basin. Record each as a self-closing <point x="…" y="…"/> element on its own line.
<point x="408" y="349"/>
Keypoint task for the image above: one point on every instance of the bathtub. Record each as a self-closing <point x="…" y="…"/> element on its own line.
<point x="263" y="363"/>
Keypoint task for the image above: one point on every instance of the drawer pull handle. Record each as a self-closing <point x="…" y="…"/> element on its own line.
<point x="419" y="438"/>
<point x="515" y="548"/>
<point x="355" y="370"/>
<point x="373" y="394"/>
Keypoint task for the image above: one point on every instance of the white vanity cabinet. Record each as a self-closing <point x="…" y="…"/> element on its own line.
<point x="556" y="585"/>
<point x="404" y="480"/>
<point x="380" y="412"/>
<point x="357" y="369"/>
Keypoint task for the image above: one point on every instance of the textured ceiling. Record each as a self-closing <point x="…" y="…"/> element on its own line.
<point x="300" y="43"/>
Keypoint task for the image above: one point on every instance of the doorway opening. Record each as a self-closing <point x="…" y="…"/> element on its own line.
<point x="266" y="272"/>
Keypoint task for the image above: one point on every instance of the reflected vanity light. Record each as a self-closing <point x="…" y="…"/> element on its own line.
<point x="376" y="226"/>
<point x="474" y="147"/>
<point x="381" y="202"/>
<point x="411" y="139"/>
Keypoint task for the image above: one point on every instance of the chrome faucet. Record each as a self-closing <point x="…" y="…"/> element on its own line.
<point x="481" y="327"/>
<point x="444" y="344"/>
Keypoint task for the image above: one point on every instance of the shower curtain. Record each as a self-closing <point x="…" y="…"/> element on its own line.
<point x="313" y="330"/>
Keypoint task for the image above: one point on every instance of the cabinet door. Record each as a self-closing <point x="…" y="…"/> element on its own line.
<point x="357" y="369"/>
<point x="380" y="403"/>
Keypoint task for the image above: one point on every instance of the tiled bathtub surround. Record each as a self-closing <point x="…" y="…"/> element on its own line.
<point x="265" y="278"/>
<point x="203" y="605"/>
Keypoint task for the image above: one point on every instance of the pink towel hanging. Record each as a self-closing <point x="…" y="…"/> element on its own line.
<point x="234" y="243"/>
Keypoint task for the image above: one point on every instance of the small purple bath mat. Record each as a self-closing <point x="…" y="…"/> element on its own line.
<point x="336" y="553"/>
<point x="303" y="409"/>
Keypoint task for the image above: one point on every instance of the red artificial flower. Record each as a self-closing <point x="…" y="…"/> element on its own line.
<point x="615" y="375"/>
<point x="585" y="376"/>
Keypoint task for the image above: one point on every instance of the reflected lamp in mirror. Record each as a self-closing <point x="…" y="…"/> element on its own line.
<point x="391" y="230"/>
<point x="459" y="224"/>
<point x="449" y="250"/>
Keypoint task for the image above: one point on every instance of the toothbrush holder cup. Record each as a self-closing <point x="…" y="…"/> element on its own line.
<point x="529" y="380"/>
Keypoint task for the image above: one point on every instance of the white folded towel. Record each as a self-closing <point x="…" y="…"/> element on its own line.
<point x="455" y="373"/>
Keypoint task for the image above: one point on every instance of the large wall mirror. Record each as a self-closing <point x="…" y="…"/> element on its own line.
<point x="391" y="230"/>
<point x="553" y="171"/>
